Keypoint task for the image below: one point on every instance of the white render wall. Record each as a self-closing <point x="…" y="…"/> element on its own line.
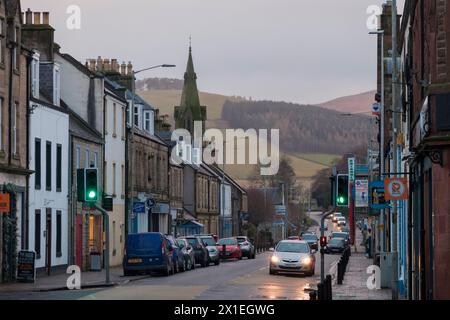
<point x="226" y="193"/>
<point x="49" y="125"/>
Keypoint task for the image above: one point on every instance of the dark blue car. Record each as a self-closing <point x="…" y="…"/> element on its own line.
<point x="147" y="253"/>
<point x="178" y="256"/>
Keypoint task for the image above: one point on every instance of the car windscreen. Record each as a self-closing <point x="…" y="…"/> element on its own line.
<point x="192" y="241"/>
<point x="228" y="242"/>
<point x="336" y="241"/>
<point x="309" y="237"/>
<point x="143" y="243"/>
<point x="293" y="247"/>
<point x="208" y="241"/>
<point x="241" y="240"/>
<point x="339" y="235"/>
<point x="180" y="243"/>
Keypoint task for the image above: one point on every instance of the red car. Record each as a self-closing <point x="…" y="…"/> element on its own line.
<point x="232" y="249"/>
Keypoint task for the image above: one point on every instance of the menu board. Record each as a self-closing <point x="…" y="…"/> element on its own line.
<point x="26" y="271"/>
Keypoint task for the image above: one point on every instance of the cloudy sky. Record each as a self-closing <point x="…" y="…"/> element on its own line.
<point x="304" y="51"/>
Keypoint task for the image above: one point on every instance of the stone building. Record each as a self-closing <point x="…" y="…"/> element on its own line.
<point x="14" y="173"/>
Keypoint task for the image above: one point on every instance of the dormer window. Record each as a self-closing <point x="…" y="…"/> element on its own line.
<point x="35" y="76"/>
<point x="148" y="122"/>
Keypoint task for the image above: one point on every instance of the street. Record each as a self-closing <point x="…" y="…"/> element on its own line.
<point x="231" y="280"/>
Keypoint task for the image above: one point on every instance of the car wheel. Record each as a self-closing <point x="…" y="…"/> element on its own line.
<point x="168" y="271"/>
<point x="240" y="257"/>
<point x="204" y="263"/>
<point x="193" y="264"/>
<point x="177" y="268"/>
<point x="216" y="263"/>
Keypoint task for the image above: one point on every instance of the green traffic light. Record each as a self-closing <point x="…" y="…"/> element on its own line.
<point x="341" y="199"/>
<point x="91" y="194"/>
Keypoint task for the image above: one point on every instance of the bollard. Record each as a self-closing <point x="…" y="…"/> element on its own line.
<point x="313" y="295"/>
<point x="320" y="291"/>
<point x="329" y="288"/>
<point x="339" y="275"/>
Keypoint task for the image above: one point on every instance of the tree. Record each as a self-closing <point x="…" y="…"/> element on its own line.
<point x="260" y="210"/>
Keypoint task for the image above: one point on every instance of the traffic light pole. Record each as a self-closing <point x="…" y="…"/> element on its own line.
<point x="322" y="249"/>
<point x="106" y="222"/>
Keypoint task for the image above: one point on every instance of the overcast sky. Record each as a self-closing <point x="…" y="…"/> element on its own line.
<point x="303" y="51"/>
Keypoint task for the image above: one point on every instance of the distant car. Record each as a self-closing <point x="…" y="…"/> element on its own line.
<point x="345" y="229"/>
<point x="200" y="252"/>
<point x="336" y="245"/>
<point x="336" y="215"/>
<point x="213" y="250"/>
<point x="312" y="240"/>
<point x="215" y="237"/>
<point x="341" y="222"/>
<point x="148" y="252"/>
<point x="178" y="256"/>
<point x="232" y="249"/>
<point x="294" y="238"/>
<point x="343" y="235"/>
<point x="247" y="248"/>
<point x="188" y="253"/>
<point x="292" y="256"/>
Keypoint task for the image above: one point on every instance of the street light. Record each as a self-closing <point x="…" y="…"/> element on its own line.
<point x="133" y="97"/>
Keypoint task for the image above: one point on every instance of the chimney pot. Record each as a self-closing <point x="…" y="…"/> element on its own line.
<point x="123" y="68"/>
<point x="37" y="17"/>
<point x="28" y="17"/>
<point x="129" y="68"/>
<point x="92" y="64"/>
<point x="46" y="18"/>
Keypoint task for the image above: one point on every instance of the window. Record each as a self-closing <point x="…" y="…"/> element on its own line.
<point x="58" y="168"/>
<point x="35" y="76"/>
<point x="58" y="233"/>
<point x="123" y="123"/>
<point x="56" y="85"/>
<point x="114" y="179"/>
<point x="1" y="123"/>
<point x="123" y="181"/>
<point x="48" y="166"/>
<point x="14" y="128"/>
<point x="95" y="160"/>
<point x="37" y="164"/>
<point x="37" y="233"/>
<point x="114" y="120"/>
<point x="147" y="121"/>
<point x="16" y="45"/>
<point x="136" y="116"/>
<point x="77" y="160"/>
<point x="86" y="158"/>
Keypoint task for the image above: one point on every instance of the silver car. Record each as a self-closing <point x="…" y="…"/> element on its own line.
<point x="293" y="256"/>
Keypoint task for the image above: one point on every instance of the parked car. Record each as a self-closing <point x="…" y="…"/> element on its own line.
<point x="178" y="256"/>
<point x="200" y="251"/>
<point x="312" y="240"/>
<point x="336" y="245"/>
<point x="188" y="253"/>
<point x="215" y="236"/>
<point x="213" y="250"/>
<point x="294" y="238"/>
<point x="232" y="249"/>
<point x="148" y="252"/>
<point x="292" y="256"/>
<point x="247" y="248"/>
<point x="345" y="229"/>
<point x="343" y="235"/>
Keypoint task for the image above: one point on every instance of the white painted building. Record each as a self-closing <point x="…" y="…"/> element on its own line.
<point x="48" y="158"/>
<point x="114" y="169"/>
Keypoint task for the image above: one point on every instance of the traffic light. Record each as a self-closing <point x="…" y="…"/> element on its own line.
<point x="323" y="241"/>
<point x="91" y="185"/>
<point x="342" y="190"/>
<point x="87" y="185"/>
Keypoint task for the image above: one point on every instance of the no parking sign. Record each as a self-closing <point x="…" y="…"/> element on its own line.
<point x="396" y="188"/>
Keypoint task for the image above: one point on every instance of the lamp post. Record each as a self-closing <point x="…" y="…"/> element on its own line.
<point x="380" y="33"/>
<point x="130" y="140"/>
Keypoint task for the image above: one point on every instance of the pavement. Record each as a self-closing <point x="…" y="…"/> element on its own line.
<point x="354" y="286"/>
<point x="58" y="281"/>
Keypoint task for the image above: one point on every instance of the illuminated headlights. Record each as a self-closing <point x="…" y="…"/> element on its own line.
<point x="306" y="260"/>
<point x="275" y="259"/>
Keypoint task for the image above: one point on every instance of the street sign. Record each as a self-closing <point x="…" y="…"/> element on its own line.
<point x="280" y="210"/>
<point x="351" y="169"/>
<point x="139" y="207"/>
<point x="361" y="193"/>
<point x="5" y="203"/>
<point x="376" y="109"/>
<point x="26" y="271"/>
<point x="151" y="203"/>
<point x="377" y="198"/>
<point x="396" y="188"/>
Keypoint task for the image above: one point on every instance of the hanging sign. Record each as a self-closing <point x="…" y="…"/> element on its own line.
<point x="396" y="188"/>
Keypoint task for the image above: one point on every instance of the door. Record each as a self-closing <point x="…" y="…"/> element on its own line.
<point x="79" y="240"/>
<point x="48" y="240"/>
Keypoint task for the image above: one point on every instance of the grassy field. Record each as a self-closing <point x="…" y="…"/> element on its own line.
<point x="319" y="158"/>
<point x="165" y="100"/>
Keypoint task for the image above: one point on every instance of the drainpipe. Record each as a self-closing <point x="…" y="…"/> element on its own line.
<point x="27" y="187"/>
<point x="11" y="46"/>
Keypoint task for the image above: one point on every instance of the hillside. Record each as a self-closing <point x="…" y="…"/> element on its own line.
<point x="351" y="104"/>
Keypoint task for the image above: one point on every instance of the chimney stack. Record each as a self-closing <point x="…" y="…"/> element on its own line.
<point x="37" y="17"/>
<point x="106" y="65"/>
<point x="114" y="65"/>
<point x="129" y="68"/>
<point x="99" y="64"/>
<point x="123" y="68"/>
<point x="92" y="64"/>
<point x="28" y="17"/>
<point x="46" y="18"/>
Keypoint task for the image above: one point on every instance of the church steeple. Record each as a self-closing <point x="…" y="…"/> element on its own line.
<point x="190" y="109"/>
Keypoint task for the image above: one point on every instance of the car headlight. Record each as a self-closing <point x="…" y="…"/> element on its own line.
<point x="275" y="259"/>
<point x="306" y="260"/>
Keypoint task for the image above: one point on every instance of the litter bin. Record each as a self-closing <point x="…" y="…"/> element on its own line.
<point x="96" y="264"/>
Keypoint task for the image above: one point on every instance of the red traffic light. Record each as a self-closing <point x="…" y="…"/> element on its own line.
<point x="323" y="241"/>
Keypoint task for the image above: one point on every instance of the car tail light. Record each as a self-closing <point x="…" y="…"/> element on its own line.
<point x="162" y="248"/>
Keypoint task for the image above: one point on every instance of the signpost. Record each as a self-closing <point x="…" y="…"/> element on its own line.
<point x="396" y="189"/>
<point x="351" y="202"/>
<point x="26" y="271"/>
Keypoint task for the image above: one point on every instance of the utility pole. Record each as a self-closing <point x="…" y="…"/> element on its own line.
<point x="394" y="167"/>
